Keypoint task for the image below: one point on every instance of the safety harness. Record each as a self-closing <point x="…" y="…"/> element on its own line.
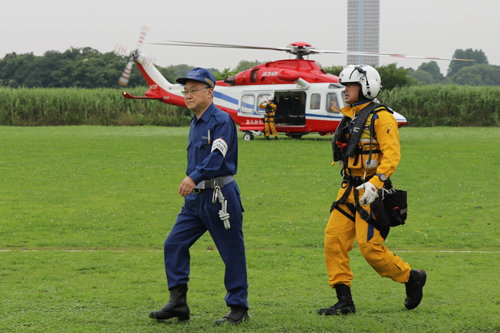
<point x="348" y="146"/>
<point x="345" y="147"/>
<point x="270" y="114"/>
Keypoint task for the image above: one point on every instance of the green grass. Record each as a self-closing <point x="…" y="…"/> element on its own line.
<point x="85" y="211"/>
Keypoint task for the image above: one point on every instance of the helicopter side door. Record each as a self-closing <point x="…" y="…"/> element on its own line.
<point x="291" y="108"/>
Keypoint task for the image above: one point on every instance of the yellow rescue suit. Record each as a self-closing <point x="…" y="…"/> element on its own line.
<point x="344" y="226"/>
<point x="269" y="118"/>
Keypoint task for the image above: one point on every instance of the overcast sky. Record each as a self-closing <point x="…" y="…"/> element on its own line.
<point x="412" y="27"/>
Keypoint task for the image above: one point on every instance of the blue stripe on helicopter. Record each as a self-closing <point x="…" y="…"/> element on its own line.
<point x="323" y="116"/>
<point x="224" y="97"/>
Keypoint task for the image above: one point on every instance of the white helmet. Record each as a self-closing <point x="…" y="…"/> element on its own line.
<point x="366" y="76"/>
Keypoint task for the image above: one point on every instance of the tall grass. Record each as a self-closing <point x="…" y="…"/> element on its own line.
<point x="446" y="105"/>
<point x="435" y="105"/>
<point x="76" y="106"/>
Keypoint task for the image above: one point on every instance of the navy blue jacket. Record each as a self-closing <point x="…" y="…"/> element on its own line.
<point x="213" y="146"/>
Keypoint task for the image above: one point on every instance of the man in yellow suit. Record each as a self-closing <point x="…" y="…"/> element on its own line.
<point x="366" y="144"/>
<point x="270" y="107"/>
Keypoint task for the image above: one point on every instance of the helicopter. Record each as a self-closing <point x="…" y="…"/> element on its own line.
<point x="308" y="99"/>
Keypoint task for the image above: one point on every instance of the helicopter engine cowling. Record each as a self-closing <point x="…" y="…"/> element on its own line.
<point x="288" y="75"/>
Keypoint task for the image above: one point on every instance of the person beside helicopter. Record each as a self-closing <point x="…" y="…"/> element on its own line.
<point x="211" y="202"/>
<point x="366" y="144"/>
<point x="269" y="122"/>
<point x="334" y="105"/>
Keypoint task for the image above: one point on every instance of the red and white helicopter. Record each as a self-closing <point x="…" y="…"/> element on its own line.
<point x="308" y="99"/>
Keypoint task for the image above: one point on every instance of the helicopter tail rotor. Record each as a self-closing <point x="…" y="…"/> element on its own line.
<point x="142" y="36"/>
<point x="134" y="55"/>
<point x="126" y="73"/>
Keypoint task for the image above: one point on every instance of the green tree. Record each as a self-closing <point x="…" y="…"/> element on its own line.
<point x="76" y="67"/>
<point x="334" y="70"/>
<point x="433" y="69"/>
<point x="393" y="76"/>
<point x="171" y="73"/>
<point x="422" y="76"/>
<point x="43" y="73"/>
<point x="456" y="66"/>
<point x="478" y="75"/>
<point x="16" y="69"/>
<point x="390" y="74"/>
<point x="243" y="65"/>
<point x="224" y="74"/>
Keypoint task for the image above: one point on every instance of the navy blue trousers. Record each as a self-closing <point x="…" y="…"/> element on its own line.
<point x="197" y="216"/>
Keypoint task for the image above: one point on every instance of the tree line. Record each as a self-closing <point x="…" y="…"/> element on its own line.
<point x="89" y="68"/>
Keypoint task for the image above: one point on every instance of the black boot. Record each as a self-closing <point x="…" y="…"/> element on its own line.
<point x="345" y="305"/>
<point x="414" y="288"/>
<point x="177" y="306"/>
<point x="237" y="315"/>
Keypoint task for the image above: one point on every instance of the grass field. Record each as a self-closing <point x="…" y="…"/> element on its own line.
<point x="85" y="211"/>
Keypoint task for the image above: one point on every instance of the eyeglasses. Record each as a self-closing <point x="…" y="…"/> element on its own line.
<point x="192" y="91"/>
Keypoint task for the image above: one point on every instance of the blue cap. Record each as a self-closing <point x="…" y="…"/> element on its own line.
<point x="199" y="74"/>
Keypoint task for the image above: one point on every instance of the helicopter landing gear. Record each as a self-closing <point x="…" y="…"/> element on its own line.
<point x="295" y="135"/>
<point x="247" y="136"/>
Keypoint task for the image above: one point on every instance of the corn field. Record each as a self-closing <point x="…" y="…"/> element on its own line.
<point x="446" y="105"/>
<point x="423" y="106"/>
<point x="76" y="106"/>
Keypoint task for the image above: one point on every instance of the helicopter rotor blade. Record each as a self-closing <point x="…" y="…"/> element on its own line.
<point x="121" y="50"/>
<point x="395" y="55"/>
<point x="300" y="50"/>
<point x="126" y="73"/>
<point x="142" y="37"/>
<point x="219" y="45"/>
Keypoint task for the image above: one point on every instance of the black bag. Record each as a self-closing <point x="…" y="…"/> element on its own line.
<point x="395" y="205"/>
<point x="391" y="210"/>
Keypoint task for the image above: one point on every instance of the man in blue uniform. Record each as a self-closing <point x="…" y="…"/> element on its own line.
<point x="212" y="202"/>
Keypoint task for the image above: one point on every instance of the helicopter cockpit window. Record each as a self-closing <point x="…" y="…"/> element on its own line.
<point x="247" y="103"/>
<point x="262" y="99"/>
<point x="332" y="103"/>
<point x="315" y="101"/>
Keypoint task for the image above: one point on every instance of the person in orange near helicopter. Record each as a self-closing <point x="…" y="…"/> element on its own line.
<point x="334" y="106"/>
<point x="270" y="107"/>
<point x="365" y="124"/>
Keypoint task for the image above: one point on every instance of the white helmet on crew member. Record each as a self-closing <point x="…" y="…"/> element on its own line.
<point x="366" y="76"/>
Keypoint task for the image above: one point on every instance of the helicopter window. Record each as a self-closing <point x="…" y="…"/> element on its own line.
<point x="335" y="86"/>
<point x="315" y="101"/>
<point x="247" y="103"/>
<point x="332" y="103"/>
<point x="262" y="99"/>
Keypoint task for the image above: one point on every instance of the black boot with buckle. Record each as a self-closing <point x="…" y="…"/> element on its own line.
<point x="345" y="305"/>
<point x="177" y="306"/>
<point x="414" y="288"/>
<point x="237" y="315"/>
